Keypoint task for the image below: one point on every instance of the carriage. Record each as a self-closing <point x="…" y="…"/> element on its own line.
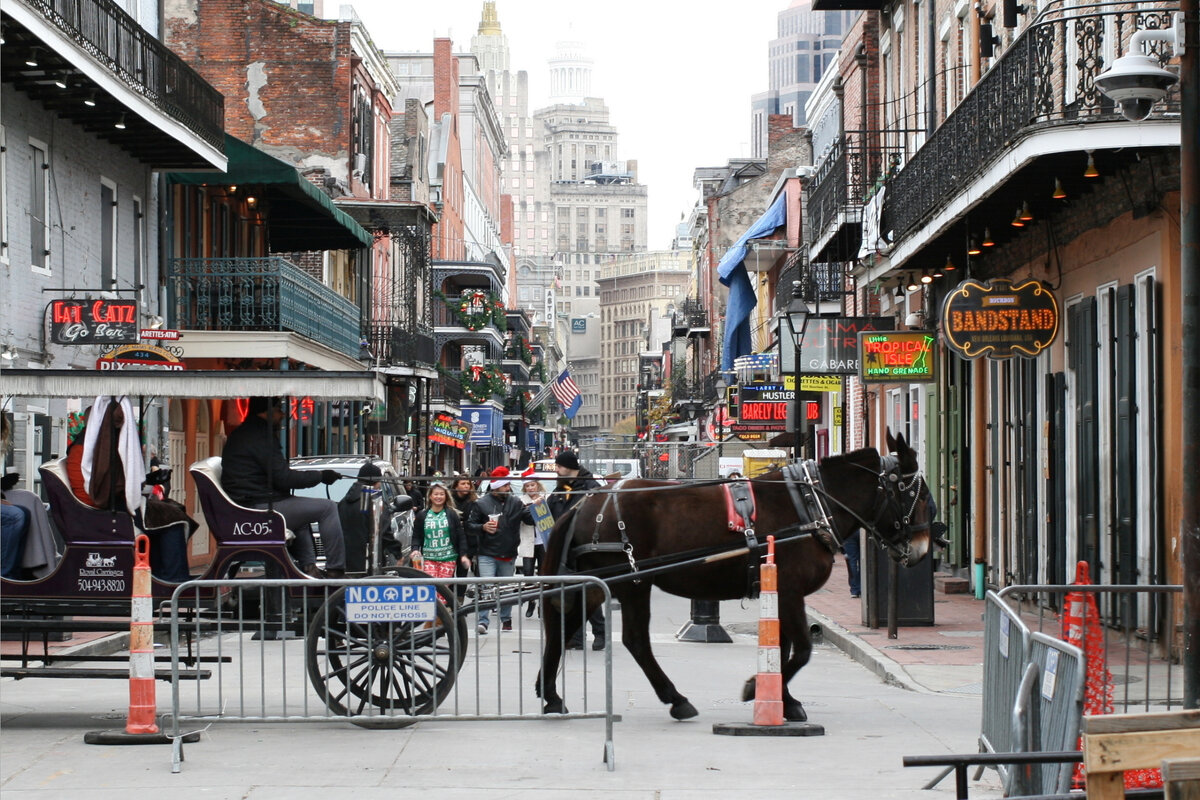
<point x="634" y="535"/>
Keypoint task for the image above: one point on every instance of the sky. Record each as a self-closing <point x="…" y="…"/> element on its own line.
<point x="677" y="76"/>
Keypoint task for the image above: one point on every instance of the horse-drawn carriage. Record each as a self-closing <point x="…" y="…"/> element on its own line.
<point x="701" y="541"/>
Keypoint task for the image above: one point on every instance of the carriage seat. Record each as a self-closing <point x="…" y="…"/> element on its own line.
<point x="229" y="522"/>
<point x="77" y="522"/>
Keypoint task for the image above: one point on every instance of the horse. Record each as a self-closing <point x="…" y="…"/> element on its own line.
<point x="678" y="537"/>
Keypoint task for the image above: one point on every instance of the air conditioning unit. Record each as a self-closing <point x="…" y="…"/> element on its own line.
<point x="360" y="163"/>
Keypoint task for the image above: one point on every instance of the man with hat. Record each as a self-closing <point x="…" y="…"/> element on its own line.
<point x="575" y="481"/>
<point x="255" y="473"/>
<point x="355" y="513"/>
<point x="493" y="535"/>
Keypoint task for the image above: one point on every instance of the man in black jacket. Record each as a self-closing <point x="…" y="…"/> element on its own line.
<point x="493" y="532"/>
<point x="255" y="473"/>
<point x="574" y="482"/>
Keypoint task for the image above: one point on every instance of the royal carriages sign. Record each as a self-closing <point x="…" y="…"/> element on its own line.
<point x="999" y="320"/>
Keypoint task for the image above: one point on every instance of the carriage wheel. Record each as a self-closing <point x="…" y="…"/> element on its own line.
<point x="402" y="667"/>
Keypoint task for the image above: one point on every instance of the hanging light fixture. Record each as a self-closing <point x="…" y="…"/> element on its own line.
<point x="1059" y="191"/>
<point x="60" y="80"/>
<point x="1026" y="215"/>
<point x="1091" y="171"/>
<point x="949" y="265"/>
<point x="90" y="100"/>
<point x="1017" y="222"/>
<point x="120" y="124"/>
<point x="987" y="238"/>
<point x="939" y="271"/>
<point x="926" y="278"/>
<point x="899" y="293"/>
<point x="972" y="249"/>
<point x="31" y="60"/>
<point x="912" y="283"/>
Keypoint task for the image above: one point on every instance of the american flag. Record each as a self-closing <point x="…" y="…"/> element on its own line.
<point x="567" y="394"/>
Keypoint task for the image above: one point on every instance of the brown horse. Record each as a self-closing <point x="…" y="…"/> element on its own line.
<point x="677" y="536"/>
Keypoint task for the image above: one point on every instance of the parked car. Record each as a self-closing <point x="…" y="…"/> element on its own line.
<point x="394" y="509"/>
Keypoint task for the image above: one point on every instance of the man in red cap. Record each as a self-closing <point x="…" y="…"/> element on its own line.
<point x="494" y="533"/>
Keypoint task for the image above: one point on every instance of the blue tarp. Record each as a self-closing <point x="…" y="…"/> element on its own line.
<point x="732" y="272"/>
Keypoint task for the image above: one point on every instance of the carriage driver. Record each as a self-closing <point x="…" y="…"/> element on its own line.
<point x="574" y="481"/>
<point x="255" y="473"/>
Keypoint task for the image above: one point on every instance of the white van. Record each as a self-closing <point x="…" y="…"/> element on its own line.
<point x="626" y="467"/>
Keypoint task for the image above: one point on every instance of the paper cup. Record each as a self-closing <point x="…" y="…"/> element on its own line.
<point x="494" y="517"/>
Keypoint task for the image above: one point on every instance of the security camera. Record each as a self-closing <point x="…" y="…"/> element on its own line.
<point x="1136" y="82"/>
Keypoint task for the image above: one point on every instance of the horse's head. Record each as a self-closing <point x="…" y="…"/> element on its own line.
<point x="903" y="525"/>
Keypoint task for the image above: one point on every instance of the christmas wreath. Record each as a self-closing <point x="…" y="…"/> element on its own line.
<point x="481" y="383"/>
<point x="475" y="309"/>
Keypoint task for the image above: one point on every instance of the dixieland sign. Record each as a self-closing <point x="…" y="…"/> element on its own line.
<point x="999" y="320"/>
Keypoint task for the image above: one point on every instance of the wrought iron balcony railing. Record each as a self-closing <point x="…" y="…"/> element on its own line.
<point x="690" y="316"/>
<point x="819" y="282"/>
<point x="398" y="345"/>
<point x="1046" y="78"/>
<point x="261" y="294"/>
<point x="844" y="178"/>
<point x="446" y="388"/>
<point x="141" y="62"/>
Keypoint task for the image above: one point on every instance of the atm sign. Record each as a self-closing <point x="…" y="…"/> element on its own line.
<point x="896" y="356"/>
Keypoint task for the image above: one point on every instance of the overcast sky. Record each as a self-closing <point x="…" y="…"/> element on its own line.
<point x="677" y="76"/>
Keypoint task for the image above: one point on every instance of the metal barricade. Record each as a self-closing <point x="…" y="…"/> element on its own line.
<point x="1006" y="650"/>
<point x="1046" y="714"/>
<point x="298" y="651"/>
<point x="1141" y="645"/>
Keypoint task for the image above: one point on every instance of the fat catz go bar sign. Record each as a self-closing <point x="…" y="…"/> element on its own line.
<point x="93" y="321"/>
<point x="999" y="320"/>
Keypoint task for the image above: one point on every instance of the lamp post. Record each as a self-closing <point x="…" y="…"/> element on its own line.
<point x="1134" y="92"/>
<point x="796" y="314"/>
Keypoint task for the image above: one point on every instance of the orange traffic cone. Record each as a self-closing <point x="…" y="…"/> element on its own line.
<point x="768" y="683"/>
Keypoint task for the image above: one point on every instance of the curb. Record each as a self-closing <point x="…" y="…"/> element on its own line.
<point x="888" y="670"/>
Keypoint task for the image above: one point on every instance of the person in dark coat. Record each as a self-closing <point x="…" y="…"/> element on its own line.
<point x="494" y="534"/>
<point x="355" y="513"/>
<point x="575" y="481"/>
<point x="255" y="473"/>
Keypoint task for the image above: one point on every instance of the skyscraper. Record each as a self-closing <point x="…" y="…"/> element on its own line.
<point x="804" y="47"/>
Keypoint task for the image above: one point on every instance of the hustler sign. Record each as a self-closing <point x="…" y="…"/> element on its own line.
<point x="999" y="320"/>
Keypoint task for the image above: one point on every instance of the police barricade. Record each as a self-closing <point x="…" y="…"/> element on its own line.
<point x="1045" y="717"/>
<point x="1006" y="650"/>
<point x="377" y="652"/>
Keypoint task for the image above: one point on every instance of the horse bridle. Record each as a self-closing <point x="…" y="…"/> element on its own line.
<point x="894" y="487"/>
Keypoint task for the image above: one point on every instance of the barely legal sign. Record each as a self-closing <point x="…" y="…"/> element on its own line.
<point x="999" y="320"/>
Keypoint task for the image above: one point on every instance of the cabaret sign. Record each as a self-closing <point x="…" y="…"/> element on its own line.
<point x="896" y="356"/>
<point x="999" y="320"/>
<point x="830" y="344"/>
<point x="93" y="321"/>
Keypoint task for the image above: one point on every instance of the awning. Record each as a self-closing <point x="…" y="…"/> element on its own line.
<point x="200" y="383"/>
<point x="299" y="216"/>
<point x="387" y="215"/>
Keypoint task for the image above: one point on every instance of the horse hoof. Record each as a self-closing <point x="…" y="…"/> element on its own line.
<point x="684" y="710"/>
<point x="555" y="707"/>
<point x="748" y="690"/>
<point x="795" y="713"/>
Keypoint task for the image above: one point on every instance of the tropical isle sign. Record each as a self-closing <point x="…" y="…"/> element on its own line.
<point x="999" y="320"/>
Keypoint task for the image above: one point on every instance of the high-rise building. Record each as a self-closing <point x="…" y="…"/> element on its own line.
<point x="804" y="47"/>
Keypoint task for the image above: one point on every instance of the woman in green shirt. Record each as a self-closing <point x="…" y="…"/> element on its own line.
<point x="439" y="541"/>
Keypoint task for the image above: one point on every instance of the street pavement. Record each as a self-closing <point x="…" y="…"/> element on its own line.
<point x="878" y="700"/>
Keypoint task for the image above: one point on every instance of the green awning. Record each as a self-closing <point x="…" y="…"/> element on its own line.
<point x="299" y="216"/>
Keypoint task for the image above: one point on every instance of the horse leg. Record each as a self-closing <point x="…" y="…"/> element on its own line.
<point x="635" y="633"/>
<point x="795" y="649"/>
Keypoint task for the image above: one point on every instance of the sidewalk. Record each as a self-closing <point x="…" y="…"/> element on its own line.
<point x="945" y="657"/>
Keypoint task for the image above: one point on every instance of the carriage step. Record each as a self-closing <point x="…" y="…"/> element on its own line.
<point x="83" y="672"/>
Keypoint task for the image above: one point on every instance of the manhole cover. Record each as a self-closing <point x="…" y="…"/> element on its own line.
<point x="926" y="647"/>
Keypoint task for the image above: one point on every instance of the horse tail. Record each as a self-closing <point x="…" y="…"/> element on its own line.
<point x="558" y="541"/>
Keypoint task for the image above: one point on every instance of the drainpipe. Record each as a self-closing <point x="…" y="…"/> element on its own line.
<point x="931" y="69"/>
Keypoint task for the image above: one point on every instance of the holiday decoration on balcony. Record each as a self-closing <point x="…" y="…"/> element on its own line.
<point x="475" y="309"/>
<point x="480" y="383"/>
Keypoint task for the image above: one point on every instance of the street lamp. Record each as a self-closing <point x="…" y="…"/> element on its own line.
<point x="1133" y="102"/>
<point x="797" y="315"/>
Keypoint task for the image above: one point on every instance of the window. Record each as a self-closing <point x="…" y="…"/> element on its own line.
<point x="626" y="213"/>
<point x="108" y="233"/>
<point x="39" y="207"/>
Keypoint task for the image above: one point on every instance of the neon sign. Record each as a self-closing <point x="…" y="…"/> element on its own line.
<point x="896" y="356"/>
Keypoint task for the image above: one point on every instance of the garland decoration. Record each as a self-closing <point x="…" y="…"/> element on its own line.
<point x="480" y="383"/>
<point x="475" y="309"/>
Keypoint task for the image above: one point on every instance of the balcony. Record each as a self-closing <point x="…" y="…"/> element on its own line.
<point x="836" y="194"/>
<point x="260" y="294"/>
<point x="403" y="346"/>
<point x="690" y="319"/>
<point x="819" y="283"/>
<point x="1042" y="85"/>
<point x="138" y="69"/>
<point x="480" y="323"/>
<point x="446" y="389"/>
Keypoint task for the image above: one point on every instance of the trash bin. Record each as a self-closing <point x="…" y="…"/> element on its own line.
<point x="914" y="596"/>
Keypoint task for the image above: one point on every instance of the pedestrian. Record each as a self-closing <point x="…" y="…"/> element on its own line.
<point x="852" y="549"/>
<point x="574" y="482"/>
<point x="355" y="513"/>
<point x="414" y="491"/>
<point x="494" y="530"/>
<point x="533" y="545"/>
<point x="255" y="473"/>
<point x="14" y="520"/>
<point x="439" y="539"/>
